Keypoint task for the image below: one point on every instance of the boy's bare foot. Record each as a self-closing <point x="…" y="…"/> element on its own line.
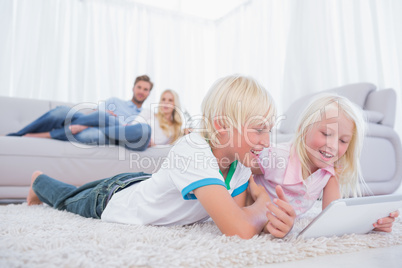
<point x="75" y="129"/>
<point x="32" y="198"/>
<point x="38" y="135"/>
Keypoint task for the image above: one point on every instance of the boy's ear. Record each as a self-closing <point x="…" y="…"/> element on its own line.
<point x="218" y="126"/>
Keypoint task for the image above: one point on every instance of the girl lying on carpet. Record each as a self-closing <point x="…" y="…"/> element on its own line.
<point x="323" y="158"/>
<point x="213" y="182"/>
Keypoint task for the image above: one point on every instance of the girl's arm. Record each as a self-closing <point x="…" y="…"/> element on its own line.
<point x="331" y="192"/>
<point x="385" y="224"/>
<point x="233" y="219"/>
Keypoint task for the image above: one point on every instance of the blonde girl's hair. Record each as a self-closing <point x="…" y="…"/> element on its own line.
<point x="235" y="101"/>
<point x="347" y="168"/>
<point x="171" y="128"/>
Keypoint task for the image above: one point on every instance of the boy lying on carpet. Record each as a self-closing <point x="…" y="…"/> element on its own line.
<point x="235" y="128"/>
<point x="323" y="158"/>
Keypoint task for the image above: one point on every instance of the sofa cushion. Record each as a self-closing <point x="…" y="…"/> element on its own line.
<point x="357" y="93"/>
<point x="13" y="119"/>
<point x="29" y="110"/>
<point x="288" y="121"/>
<point x="71" y="162"/>
<point x="373" y="116"/>
<point x="82" y="107"/>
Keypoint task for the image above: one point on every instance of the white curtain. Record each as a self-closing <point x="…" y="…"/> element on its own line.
<point x="299" y="47"/>
<point x="92" y="49"/>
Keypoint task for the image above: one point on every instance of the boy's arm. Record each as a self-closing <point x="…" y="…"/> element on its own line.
<point x="230" y="218"/>
<point x="248" y="197"/>
<point x="233" y="219"/>
<point x="281" y="216"/>
<point x="241" y="199"/>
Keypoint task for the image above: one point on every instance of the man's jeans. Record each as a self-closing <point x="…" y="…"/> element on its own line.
<point x="52" y="120"/>
<point x="104" y="128"/>
<point x="88" y="200"/>
<point x="133" y="137"/>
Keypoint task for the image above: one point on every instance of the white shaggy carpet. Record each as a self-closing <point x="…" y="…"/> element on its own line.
<point x="40" y="236"/>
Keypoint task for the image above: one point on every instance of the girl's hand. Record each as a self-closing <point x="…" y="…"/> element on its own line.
<point x="385" y="224"/>
<point x="281" y="216"/>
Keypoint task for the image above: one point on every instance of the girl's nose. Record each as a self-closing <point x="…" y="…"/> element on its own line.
<point x="332" y="143"/>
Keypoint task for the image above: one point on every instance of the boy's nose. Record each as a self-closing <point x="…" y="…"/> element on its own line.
<point x="265" y="141"/>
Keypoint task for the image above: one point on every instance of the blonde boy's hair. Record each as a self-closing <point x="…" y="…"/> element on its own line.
<point x="235" y="101"/>
<point x="172" y="129"/>
<point x="347" y="168"/>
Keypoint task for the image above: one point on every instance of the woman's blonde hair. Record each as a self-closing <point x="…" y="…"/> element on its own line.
<point x="171" y="128"/>
<point x="234" y="101"/>
<point x="347" y="168"/>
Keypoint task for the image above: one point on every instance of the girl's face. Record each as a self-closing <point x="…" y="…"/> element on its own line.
<point x="167" y="103"/>
<point x="328" y="139"/>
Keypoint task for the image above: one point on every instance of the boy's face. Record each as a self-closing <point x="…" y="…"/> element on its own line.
<point x="250" y="142"/>
<point x="328" y="140"/>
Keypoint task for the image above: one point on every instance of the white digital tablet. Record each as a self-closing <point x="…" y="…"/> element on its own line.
<point x="352" y="215"/>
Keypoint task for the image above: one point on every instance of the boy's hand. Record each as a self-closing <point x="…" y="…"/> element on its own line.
<point x="255" y="190"/>
<point x="385" y="224"/>
<point x="281" y="215"/>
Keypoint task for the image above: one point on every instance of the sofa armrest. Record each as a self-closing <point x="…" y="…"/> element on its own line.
<point x="381" y="158"/>
<point x="383" y="101"/>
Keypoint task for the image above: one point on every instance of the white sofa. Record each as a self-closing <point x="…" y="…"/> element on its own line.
<point x="382" y="152"/>
<point x="73" y="163"/>
<point x="77" y="163"/>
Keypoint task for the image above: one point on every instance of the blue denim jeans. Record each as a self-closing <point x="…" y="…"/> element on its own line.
<point x="104" y="129"/>
<point x="88" y="200"/>
<point x="57" y="120"/>
<point x="133" y="137"/>
<point x="54" y="119"/>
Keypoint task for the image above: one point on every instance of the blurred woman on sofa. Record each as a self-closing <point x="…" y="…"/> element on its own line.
<point x="166" y="123"/>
